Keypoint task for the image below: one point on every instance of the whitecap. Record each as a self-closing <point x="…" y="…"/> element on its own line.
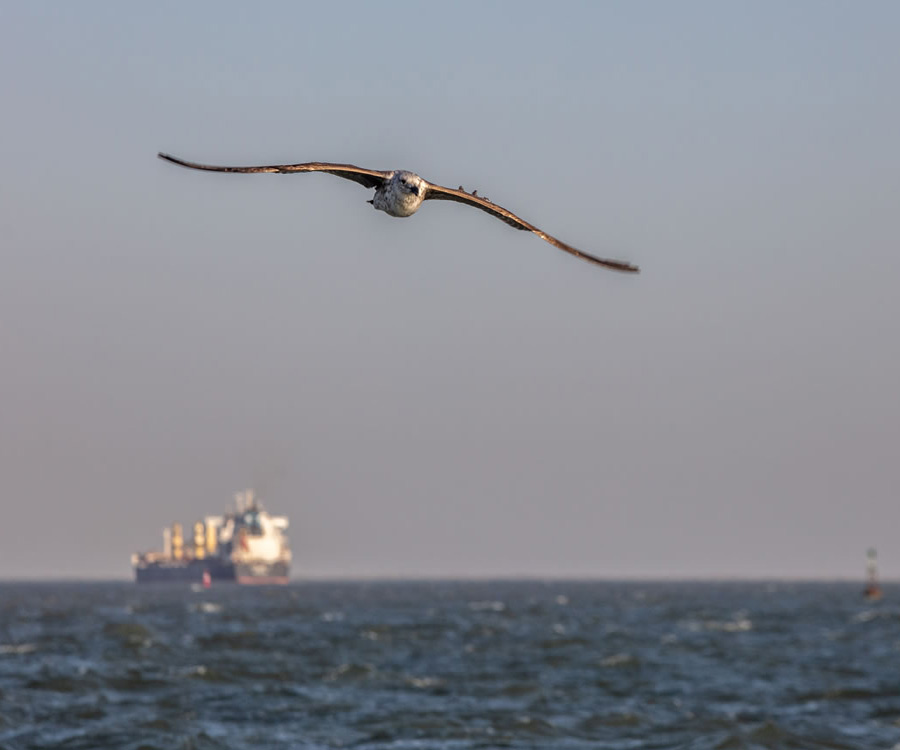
<point x="617" y="660"/>
<point x="424" y="682"/>
<point x="737" y="626"/>
<point x="16" y="648"/>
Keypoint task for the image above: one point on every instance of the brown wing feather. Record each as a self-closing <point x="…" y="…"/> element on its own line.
<point x="439" y="192"/>
<point x="369" y="178"/>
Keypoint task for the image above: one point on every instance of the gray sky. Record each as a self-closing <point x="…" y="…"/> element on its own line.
<point x="442" y="395"/>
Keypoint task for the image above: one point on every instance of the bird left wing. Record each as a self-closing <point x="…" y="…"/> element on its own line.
<point x="439" y="192"/>
<point x="369" y="178"/>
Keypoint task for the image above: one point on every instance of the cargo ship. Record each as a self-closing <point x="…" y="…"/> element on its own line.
<point x="245" y="546"/>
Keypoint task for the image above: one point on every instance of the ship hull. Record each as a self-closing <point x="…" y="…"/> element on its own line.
<point x="261" y="573"/>
<point x="224" y="571"/>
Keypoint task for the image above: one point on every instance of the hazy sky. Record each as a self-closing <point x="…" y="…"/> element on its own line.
<point x="443" y="395"/>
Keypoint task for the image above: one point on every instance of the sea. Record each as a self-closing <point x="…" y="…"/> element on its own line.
<point x="449" y="665"/>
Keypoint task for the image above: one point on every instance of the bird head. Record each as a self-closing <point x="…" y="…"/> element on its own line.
<point x="409" y="182"/>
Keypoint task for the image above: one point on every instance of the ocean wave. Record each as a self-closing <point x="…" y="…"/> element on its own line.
<point x="449" y="667"/>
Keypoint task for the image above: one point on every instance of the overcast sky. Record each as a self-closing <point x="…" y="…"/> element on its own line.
<point x="442" y="395"/>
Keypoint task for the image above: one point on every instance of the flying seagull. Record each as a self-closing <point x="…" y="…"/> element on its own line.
<point x="400" y="193"/>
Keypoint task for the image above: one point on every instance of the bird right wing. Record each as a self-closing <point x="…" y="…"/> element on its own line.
<point x="369" y="178"/>
<point x="439" y="192"/>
